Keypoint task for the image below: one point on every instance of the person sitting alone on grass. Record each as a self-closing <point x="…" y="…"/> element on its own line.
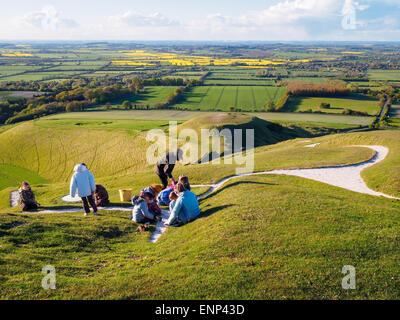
<point x="141" y="213"/>
<point x="101" y="196"/>
<point x="83" y="182"/>
<point x="185" y="209"/>
<point x="166" y="165"/>
<point x="27" y="198"/>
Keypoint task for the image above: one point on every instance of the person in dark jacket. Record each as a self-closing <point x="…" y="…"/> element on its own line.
<point x="27" y="198"/>
<point x="166" y="165"/>
<point x="101" y="196"/>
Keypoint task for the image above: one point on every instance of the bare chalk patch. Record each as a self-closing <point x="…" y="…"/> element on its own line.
<point x="14" y="199"/>
<point x="160" y="227"/>
<point x="312" y="145"/>
<point x="68" y="198"/>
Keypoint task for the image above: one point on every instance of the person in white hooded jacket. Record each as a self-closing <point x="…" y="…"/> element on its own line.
<point x="83" y="182"/>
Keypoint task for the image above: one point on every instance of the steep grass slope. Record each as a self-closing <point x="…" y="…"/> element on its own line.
<point x="264" y="237"/>
<point x="52" y="152"/>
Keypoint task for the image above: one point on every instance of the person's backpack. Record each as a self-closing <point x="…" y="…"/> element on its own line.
<point x="163" y="197"/>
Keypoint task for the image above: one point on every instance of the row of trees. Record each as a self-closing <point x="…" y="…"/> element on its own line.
<point x="308" y="89"/>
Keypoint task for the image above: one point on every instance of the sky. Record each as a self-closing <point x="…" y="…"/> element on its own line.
<point x="205" y="20"/>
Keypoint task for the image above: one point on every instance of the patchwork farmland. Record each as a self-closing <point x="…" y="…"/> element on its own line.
<point x="229" y="98"/>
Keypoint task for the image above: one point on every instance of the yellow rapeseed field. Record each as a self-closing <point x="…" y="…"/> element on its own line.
<point x="17" y="54"/>
<point x="143" y="58"/>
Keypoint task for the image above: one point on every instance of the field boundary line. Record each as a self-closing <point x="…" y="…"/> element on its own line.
<point x="254" y="98"/>
<point x="237" y="97"/>
<point x="202" y="98"/>
<point x="219" y="98"/>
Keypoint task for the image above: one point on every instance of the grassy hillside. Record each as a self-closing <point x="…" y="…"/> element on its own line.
<point x="258" y="238"/>
<point x="264" y="237"/>
<point x="51" y="152"/>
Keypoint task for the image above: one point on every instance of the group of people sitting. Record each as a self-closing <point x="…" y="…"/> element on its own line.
<point x="182" y="202"/>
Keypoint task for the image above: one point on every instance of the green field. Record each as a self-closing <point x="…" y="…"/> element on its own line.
<point x="384" y="75"/>
<point x="223" y="98"/>
<point x="338" y="105"/>
<point x="286" y="239"/>
<point x="394" y="122"/>
<point x="327" y="120"/>
<point x="395" y="111"/>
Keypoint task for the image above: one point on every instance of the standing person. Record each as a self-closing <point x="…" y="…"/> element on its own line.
<point x="27" y="198"/>
<point x="101" y="196"/>
<point x="166" y="165"/>
<point x="83" y="182"/>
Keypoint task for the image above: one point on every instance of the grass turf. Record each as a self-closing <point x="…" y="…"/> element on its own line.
<point x="259" y="237"/>
<point x="337" y="105"/>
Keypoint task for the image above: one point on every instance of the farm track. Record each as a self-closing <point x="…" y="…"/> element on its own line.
<point x="254" y="98"/>
<point x="202" y="98"/>
<point x="268" y="94"/>
<point x="276" y="94"/>
<point x="219" y="98"/>
<point x="237" y="97"/>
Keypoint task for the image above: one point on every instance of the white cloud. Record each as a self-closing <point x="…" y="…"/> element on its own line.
<point x="135" y="19"/>
<point x="48" y="18"/>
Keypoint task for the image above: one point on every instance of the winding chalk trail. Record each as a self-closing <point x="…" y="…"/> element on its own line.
<point x="346" y="177"/>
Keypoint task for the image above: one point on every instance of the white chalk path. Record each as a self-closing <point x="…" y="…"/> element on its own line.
<point x="346" y="177"/>
<point x="160" y="227"/>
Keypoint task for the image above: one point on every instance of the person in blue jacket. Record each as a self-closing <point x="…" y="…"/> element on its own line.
<point x="185" y="208"/>
<point x="83" y="182"/>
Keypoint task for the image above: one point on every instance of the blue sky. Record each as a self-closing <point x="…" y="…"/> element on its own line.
<point x="307" y="20"/>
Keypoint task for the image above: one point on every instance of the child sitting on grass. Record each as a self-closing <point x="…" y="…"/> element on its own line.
<point x="141" y="213"/>
<point x="154" y="190"/>
<point x="185" y="209"/>
<point x="27" y="198"/>
<point x="185" y="181"/>
<point x="172" y="200"/>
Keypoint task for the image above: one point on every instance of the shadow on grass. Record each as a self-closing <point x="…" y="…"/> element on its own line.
<point x="234" y="184"/>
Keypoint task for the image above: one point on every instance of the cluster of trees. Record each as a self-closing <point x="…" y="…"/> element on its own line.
<point x="172" y="98"/>
<point x="170" y="82"/>
<point x="71" y="100"/>
<point x="10" y="108"/>
<point x="308" y="89"/>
